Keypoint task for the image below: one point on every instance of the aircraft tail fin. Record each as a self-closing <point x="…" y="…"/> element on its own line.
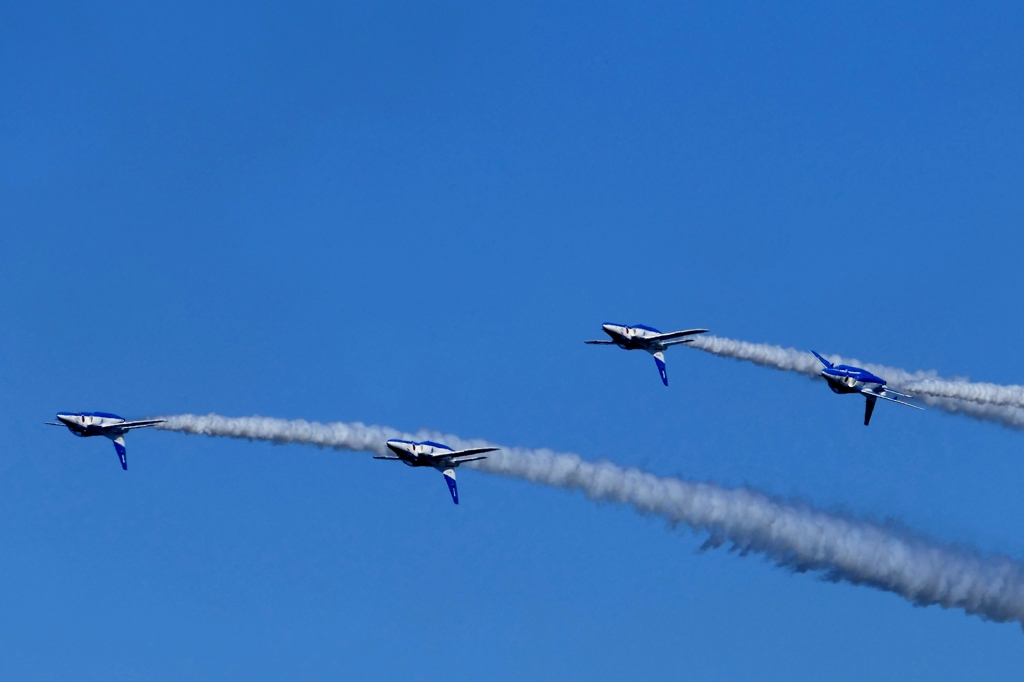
<point x="659" y="360"/>
<point x="122" y="451"/>
<point x="449" y="478"/>
<point x="869" y="407"/>
<point x="822" y="360"/>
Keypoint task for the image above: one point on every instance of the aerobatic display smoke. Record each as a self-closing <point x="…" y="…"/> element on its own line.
<point x="790" y="534"/>
<point x="988" y="402"/>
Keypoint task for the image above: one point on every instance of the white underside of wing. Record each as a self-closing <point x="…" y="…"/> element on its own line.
<point x="466" y="458"/>
<point x="464" y="453"/>
<point x="891" y="400"/>
<point x="138" y="424"/>
<point x="675" y="335"/>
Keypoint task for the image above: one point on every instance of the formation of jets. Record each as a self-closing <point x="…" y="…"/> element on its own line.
<point x="842" y="379"/>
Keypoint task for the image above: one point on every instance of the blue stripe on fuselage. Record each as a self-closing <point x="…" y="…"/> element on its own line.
<point x="107" y="415"/>
<point x="854" y="372"/>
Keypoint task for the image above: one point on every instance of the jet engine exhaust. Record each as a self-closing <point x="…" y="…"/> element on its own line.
<point x="792" y="535"/>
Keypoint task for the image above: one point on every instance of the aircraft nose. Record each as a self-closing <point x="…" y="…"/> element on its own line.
<point x="608" y="327"/>
<point x="66" y="418"/>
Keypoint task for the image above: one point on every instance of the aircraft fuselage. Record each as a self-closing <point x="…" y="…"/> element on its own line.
<point x="642" y="337"/>
<point x="425" y="454"/>
<point x="846" y="379"/>
<point x="86" y="424"/>
<point x="634" y="338"/>
<point x="435" y="455"/>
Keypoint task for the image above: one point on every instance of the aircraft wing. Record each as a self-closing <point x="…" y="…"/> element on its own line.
<point x="891" y="400"/>
<point x="675" y="335"/>
<point x="465" y="458"/>
<point x="676" y="342"/>
<point x="387" y="456"/>
<point x="902" y="395"/>
<point x="139" y="424"/>
<point x="54" y="424"/>
<point x="459" y="455"/>
<point x="600" y="343"/>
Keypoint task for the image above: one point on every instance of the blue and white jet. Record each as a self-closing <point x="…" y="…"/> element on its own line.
<point x="436" y="455"/>
<point x="86" y="424"/>
<point x="642" y="337"/>
<point x="846" y="379"/>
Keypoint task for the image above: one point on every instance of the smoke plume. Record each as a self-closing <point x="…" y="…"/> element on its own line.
<point x="988" y="402"/>
<point x="790" y="534"/>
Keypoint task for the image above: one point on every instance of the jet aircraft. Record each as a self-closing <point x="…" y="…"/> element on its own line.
<point x="87" y="424"/>
<point x="642" y="337"/>
<point x="436" y="455"/>
<point x="846" y="379"/>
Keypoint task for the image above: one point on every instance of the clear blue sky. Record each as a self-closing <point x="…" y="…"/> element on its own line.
<point x="414" y="216"/>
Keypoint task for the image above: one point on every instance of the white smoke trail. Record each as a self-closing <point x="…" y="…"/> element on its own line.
<point x="984" y="401"/>
<point x="790" y="534"/>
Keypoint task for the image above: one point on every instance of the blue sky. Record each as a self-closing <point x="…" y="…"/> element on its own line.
<point x="414" y="216"/>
